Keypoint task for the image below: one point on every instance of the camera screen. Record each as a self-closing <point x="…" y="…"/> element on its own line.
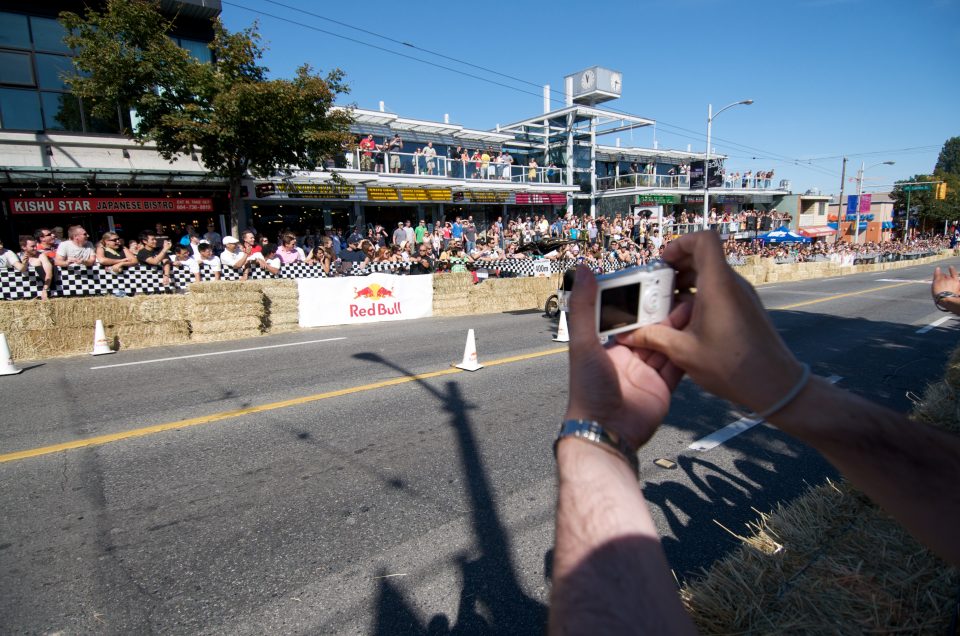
<point x="619" y="306"/>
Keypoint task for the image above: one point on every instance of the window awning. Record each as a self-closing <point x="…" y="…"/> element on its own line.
<point x="817" y="231"/>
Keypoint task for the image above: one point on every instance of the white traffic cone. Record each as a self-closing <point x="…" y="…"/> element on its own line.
<point x="100" y="346"/>
<point x="6" y="361"/>
<point x="562" y="334"/>
<point x="470" y="355"/>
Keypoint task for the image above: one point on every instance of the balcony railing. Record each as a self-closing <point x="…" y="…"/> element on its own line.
<point x="418" y="163"/>
<point x="632" y="181"/>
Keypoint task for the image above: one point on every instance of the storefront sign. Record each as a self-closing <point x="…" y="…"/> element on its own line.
<point x="382" y="194"/>
<point x="294" y="190"/>
<point x="655" y="199"/>
<point x="425" y="194"/>
<point x="729" y="198"/>
<point x="357" y="300"/>
<point x="486" y="196"/>
<point x="541" y="198"/>
<point x="118" y="205"/>
<point x="693" y="198"/>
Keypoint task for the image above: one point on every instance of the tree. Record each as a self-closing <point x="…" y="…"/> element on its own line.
<point x="239" y="121"/>
<point x="949" y="160"/>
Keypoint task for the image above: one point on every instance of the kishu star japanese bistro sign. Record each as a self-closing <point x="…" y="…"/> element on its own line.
<point x="117" y="205"/>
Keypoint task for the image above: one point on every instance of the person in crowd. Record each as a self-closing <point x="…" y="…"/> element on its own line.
<point x="456" y="230"/>
<point x="269" y="261"/>
<point x="532" y="170"/>
<point x="455" y="258"/>
<point x="36" y="263"/>
<point x="250" y="243"/>
<point x="155" y="255"/>
<point x="288" y="252"/>
<point x="394" y="148"/>
<point x="233" y="257"/>
<point x="456" y="165"/>
<point x="420" y="232"/>
<point x="409" y="235"/>
<point x="213" y="237"/>
<point x="180" y="257"/>
<point x="469" y="234"/>
<point x="476" y="160"/>
<point x="367" y="147"/>
<point x="133" y="246"/>
<point x="77" y="251"/>
<point x="430" y="157"/>
<point x="323" y="255"/>
<point x="10" y="260"/>
<point x="205" y="258"/>
<point x="610" y="574"/>
<point x="399" y="234"/>
<point x="46" y="242"/>
<point x="111" y="253"/>
<point x="424" y="262"/>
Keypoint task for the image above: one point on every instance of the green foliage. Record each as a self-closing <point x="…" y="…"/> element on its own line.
<point x="228" y="111"/>
<point x="949" y="160"/>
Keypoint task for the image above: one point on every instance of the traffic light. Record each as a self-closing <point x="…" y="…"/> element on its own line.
<point x="941" y="191"/>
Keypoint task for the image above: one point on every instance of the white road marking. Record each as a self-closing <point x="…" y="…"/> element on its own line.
<point x="216" y="353"/>
<point x="901" y="280"/>
<point x="935" y="323"/>
<point x="730" y="431"/>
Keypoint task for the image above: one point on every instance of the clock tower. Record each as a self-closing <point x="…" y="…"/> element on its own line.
<point x="594" y="85"/>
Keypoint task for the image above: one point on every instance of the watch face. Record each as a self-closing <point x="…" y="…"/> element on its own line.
<point x="587" y="79"/>
<point x="615" y="81"/>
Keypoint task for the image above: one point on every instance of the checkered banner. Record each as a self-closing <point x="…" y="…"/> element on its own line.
<point x="526" y="267"/>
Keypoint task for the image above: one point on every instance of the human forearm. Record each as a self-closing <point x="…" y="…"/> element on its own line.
<point x="610" y="572"/>
<point x="908" y="468"/>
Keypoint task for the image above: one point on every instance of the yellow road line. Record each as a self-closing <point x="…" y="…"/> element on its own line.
<point x="826" y="298"/>
<point x="99" y="440"/>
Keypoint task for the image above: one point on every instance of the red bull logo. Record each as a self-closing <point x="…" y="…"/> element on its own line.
<point x="374" y="293"/>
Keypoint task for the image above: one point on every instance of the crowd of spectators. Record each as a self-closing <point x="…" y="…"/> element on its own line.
<point x="423" y="247"/>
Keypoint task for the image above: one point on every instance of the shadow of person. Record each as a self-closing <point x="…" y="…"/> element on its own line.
<point x="491" y="598"/>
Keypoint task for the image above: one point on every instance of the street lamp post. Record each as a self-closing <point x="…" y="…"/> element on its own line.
<point x="706" y="161"/>
<point x="856" y="235"/>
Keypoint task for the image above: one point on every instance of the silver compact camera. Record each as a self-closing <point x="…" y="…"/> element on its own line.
<point x="633" y="297"/>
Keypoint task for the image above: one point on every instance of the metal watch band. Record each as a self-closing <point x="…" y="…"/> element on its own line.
<point x="941" y="296"/>
<point x="593" y="432"/>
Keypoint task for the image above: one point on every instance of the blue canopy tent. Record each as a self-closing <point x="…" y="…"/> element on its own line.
<point x="783" y="235"/>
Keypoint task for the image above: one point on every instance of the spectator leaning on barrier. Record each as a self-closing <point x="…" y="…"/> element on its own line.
<point x="270" y="261"/>
<point x="76" y="251"/>
<point x="155" y="255"/>
<point x="112" y="254"/>
<point x="46" y="242"/>
<point x="9" y="260"/>
<point x="423" y="262"/>
<point x="287" y="251"/>
<point x="232" y="256"/>
<point x="36" y="263"/>
<point x="206" y="258"/>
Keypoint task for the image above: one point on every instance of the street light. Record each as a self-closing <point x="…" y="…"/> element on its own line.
<point x="706" y="161"/>
<point x="856" y="236"/>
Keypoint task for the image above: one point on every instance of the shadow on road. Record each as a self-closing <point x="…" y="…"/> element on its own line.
<point x="491" y="599"/>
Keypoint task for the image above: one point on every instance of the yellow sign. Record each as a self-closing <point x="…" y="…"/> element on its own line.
<point x="481" y="196"/>
<point x="425" y="194"/>
<point x="318" y="190"/>
<point x="382" y="194"/>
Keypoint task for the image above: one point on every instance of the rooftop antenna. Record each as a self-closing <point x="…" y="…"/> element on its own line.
<point x="446" y="118"/>
<point x="383" y="108"/>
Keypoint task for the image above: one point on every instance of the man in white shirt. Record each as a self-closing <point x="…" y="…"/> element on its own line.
<point x="204" y="257"/>
<point x="9" y="259"/>
<point x="77" y="251"/>
<point x="232" y="256"/>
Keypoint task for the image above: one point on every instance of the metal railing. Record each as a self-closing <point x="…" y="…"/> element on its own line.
<point x="425" y="164"/>
<point x="641" y="180"/>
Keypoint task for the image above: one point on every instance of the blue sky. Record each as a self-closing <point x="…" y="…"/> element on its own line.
<point x="874" y="80"/>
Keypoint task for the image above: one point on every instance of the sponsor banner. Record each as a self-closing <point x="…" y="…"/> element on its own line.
<point x="294" y="190"/>
<point x="94" y="205"/>
<point x="697" y="170"/>
<point x="541" y="198"/>
<point x="362" y="299"/>
<point x="541" y="269"/>
<point x="654" y="199"/>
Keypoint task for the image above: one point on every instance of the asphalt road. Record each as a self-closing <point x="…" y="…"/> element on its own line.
<point x="355" y="483"/>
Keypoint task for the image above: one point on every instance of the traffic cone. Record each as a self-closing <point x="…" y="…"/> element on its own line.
<point x="6" y="362"/>
<point x="100" y="346"/>
<point x="562" y="334"/>
<point x="470" y="355"/>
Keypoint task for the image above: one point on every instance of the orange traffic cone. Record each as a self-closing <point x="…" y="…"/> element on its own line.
<point x="100" y="346"/>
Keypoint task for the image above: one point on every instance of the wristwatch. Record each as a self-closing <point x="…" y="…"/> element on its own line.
<point x="592" y="431"/>
<point x="941" y="296"/>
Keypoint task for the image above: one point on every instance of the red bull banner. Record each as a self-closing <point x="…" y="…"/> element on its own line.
<point x="362" y="299"/>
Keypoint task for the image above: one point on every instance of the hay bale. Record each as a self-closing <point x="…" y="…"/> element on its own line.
<point x="202" y="309"/>
<point x="216" y="336"/>
<point x="151" y="334"/>
<point x="228" y="326"/>
<point x="159" y="308"/>
<point x="25" y="315"/>
<point x="34" y="344"/>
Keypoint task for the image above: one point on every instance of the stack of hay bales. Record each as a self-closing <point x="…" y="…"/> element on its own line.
<point x="282" y="303"/>
<point x="457" y="295"/>
<point x="832" y="562"/>
<point x="221" y="310"/>
<point x="64" y="326"/>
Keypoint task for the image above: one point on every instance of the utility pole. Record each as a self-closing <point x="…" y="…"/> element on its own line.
<point x="841" y="213"/>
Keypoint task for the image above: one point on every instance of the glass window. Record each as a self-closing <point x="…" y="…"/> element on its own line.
<point x="61" y="111"/>
<point x="14" y="31"/>
<point x="199" y="50"/>
<point x="107" y="125"/>
<point x="20" y="109"/>
<point x="51" y="69"/>
<point x="15" y="68"/>
<point x="48" y="35"/>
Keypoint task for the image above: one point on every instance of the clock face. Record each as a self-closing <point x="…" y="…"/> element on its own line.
<point x="615" y="82"/>
<point x="587" y="80"/>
